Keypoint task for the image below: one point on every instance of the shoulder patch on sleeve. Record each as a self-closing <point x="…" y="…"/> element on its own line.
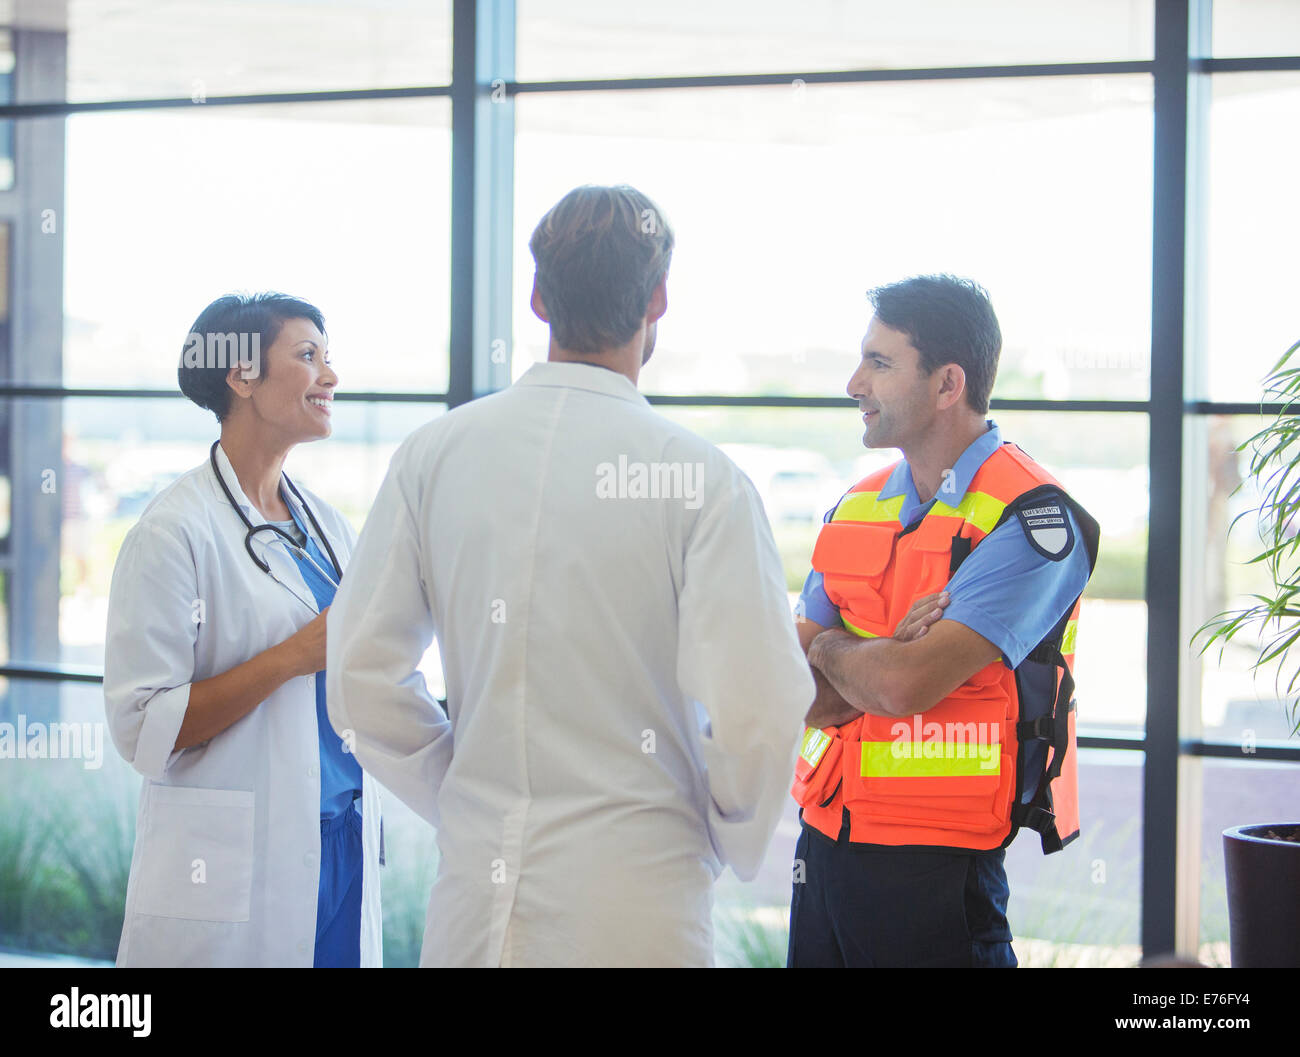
<point x="1046" y="525"/>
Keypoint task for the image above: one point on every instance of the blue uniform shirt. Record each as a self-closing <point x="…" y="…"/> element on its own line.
<point x="340" y="774"/>
<point x="1005" y="590"/>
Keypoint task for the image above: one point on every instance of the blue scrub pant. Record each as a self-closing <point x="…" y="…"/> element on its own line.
<point x="867" y="905"/>
<point x="338" y="901"/>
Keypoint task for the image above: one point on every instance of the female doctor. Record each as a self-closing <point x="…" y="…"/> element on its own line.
<point x="258" y="838"/>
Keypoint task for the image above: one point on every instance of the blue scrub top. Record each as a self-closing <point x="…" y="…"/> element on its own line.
<point x="1005" y="590"/>
<point x="340" y="774"/>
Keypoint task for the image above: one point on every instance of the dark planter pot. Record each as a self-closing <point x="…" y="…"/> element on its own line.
<point x="1263" y="896"/>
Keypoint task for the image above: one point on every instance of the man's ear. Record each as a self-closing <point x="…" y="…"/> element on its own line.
<point x="952" y="385"/>
<point x="539" y="309"/>
<point x="658" y="300"/>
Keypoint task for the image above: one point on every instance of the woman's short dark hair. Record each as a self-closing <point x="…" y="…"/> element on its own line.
<point x="234" y="330"/>
<point x="947" y="320"/>
<point x="600" y="253"/>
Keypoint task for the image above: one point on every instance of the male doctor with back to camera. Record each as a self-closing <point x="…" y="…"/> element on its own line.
<point x="592" y="571"/>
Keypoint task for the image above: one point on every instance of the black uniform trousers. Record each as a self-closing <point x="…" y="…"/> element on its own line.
<point x="870" y="905"/>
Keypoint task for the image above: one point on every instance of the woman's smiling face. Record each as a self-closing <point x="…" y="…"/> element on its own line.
<point x="295" y="394"/>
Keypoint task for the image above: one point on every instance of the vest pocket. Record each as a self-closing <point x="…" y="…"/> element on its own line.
<point x="817" y="769"/>
<point x="950" y="768"/>
<point x="927" y="556"/>
<point x="852" y="558"/>
<point x="196" y="854"/>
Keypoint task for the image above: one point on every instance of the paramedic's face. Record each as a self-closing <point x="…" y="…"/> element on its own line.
<point x="892" y="393"/>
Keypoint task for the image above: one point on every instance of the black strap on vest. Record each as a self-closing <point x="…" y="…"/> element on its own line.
<point x="1054" y="729"/>
<point x="961" y="546"/>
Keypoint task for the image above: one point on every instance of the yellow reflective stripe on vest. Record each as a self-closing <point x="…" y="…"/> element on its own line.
<point x="814" y="745"/>
<point x="979" y="508"/>
<point x="867" y="506"/>
<point x="929" y="759"/>
<point x="855" y="629"/>
<point x="1067" y="640"/>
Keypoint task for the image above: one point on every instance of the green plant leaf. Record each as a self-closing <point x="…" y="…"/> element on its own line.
<point x="1275" y="466"/>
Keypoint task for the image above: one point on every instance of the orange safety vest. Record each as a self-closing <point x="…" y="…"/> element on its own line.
<point x="996" y="754"/>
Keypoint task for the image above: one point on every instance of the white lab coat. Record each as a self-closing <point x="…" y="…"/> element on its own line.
<point x="583" y="809"/>
<point x="227" y="850"/>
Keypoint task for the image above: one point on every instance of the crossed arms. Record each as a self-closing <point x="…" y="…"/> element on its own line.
<point x="925" y="660"/>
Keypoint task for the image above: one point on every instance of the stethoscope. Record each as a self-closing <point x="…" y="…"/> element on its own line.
<point x="282" y="536"/>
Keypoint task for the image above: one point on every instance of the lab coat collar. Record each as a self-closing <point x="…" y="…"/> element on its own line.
<point x="583" y="376"/>
<point x="232" y="482"/>
<point x="282" y="566"/>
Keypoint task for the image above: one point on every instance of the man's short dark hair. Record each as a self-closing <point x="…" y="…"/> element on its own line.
<point x="947" y="320"/>
<point x="600" y="253"/>
<point x="235" y="314"/>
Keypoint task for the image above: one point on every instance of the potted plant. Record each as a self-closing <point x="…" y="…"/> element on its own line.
<point x="1262" y="861"/>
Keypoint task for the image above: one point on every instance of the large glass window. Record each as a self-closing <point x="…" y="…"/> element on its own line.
<point x="193" y="49"/>
<point x="1038" y="190"/>
<point x="343" y="204"/>
<point x="570" y="39"/>
<point x="122" y="224"/>
<point x="1253" y="227"/>
<point x="1256" y="27"/>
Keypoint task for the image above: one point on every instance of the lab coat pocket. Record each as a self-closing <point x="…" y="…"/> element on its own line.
<point x="196" y="860"/>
